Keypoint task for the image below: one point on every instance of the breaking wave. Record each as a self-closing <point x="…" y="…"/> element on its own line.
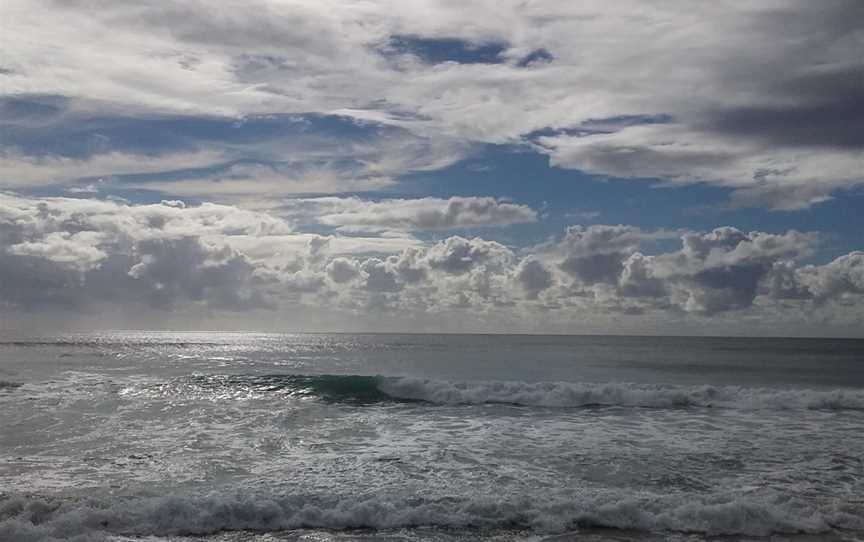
<point x="568" y="394"/>
<point x="360" y="390"/>
<point x="34" y="518"/>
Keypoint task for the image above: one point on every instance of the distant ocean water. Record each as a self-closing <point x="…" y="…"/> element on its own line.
<point x="265" y="437"/>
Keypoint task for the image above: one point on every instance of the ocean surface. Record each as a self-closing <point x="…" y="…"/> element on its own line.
<point x="225" y="437"/>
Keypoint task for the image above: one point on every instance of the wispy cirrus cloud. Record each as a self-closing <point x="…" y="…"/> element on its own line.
<point x="765" y="124"/>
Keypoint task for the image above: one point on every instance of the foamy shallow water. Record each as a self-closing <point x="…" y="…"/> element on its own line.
<point x="165" y="437"/>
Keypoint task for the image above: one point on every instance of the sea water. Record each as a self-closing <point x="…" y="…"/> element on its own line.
<point x="301" y="437"/>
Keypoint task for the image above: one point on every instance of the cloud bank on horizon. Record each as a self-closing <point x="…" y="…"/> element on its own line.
<point x="434" y="165"/>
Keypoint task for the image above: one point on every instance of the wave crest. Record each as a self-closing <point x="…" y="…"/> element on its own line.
<point x="366" y="390"/>
<point x="570" y="394"/>
<point x="33" y="518"/>
<point x="9" y="385"/>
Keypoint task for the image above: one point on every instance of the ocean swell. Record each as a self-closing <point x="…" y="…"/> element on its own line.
<point x="366" y="390"/>
<point x="32" y="518"/>
<point x="8" y="385"/>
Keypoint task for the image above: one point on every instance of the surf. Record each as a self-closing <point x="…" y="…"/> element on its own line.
<point x="370" y="390"/>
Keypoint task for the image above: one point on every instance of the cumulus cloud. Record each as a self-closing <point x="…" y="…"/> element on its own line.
<point x="61" y="253"/>
<point x="457" y="255"/>
<point x="596" y="254"/>
<point x="379" y="276"/>
<point x="354" y="214"/>
<point x="159" y="255"/>
<point x="713" y="272"/>
<point x="842" y="278"/>
<point x="534" y="277"/>
<point x="726" y="269"/>
<point x="341" y="270"/>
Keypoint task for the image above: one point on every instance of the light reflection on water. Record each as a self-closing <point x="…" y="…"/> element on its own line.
<point x="120" y="416"/>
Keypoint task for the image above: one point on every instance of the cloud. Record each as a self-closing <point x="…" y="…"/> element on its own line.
<point x="596" y="254"/>
<point x="170" y="271"/>
<point x="158" y="255"/>
<point x="341" y="270"/>
<point x="220" y="158"/>
<point x="79" y="250"/>
<point x="354" y="214"/>
<point x="763" y="99"/>
<point x="90" y="256"/>
<point x="638" y="280"/>
<point x="534" y="277"/>
<point x="21" y="171"/>
<point x="379" y="276"/>
<point x="775" y="177"/>
<point x="724" y="269"/>
<point x="457" y="255"/>
<point x="842" y="278"/>
<point x="718" y="271"/>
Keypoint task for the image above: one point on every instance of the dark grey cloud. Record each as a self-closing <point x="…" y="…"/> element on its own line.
<point x="380" y="277"/>
<point x="457" y="255"/>
<point x="820" y="108"/>
<point x="595" y="268"/>
<point x="713" y="272"/>
<point x="726" y="269"/>
<point x="186" y="269"/>
<point x="536" y="57"/>
<point x="638" y="280"/>
<point x="596" y="254"/>
<point x="534" y="277"/>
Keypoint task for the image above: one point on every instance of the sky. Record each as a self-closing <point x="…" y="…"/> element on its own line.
<point x="640" y="167"/>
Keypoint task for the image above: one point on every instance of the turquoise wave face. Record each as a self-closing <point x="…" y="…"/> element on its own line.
<point x="359" y="390"/>
<point x="350" y="389"/>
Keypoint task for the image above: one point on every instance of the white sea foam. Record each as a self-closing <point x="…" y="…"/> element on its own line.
<point x="569" y="394"/>
<point x="30" y="519"/>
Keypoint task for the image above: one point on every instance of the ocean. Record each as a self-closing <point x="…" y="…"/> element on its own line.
<point x="231" y="437"/>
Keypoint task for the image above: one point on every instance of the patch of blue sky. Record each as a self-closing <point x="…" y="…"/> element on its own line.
<point x="567" y="196"/>
<point x="438" y="50"/>
<point x="79" y="137"/>
<point x="515" y="172"/>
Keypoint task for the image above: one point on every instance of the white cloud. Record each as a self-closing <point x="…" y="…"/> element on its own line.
<point x="357" y="215"/>
<point x="774" y="177"/>
<point x="18" y="170"/>
<point x="79" y="250"/>
<point x="759" y="97"/>
<point x="341" y="270"/>
<point x="842" y="278"/>
<point x="169" y="258"/>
